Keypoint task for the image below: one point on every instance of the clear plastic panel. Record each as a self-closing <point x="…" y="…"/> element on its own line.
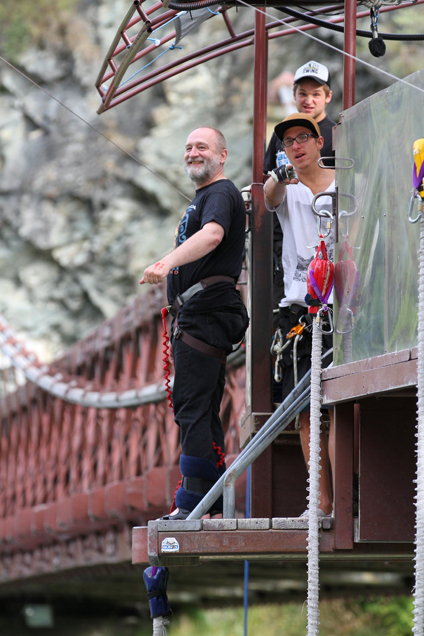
<point x="376" y="257"/>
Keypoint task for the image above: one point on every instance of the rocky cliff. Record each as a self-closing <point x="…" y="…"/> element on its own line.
<point x="80" y="218"/>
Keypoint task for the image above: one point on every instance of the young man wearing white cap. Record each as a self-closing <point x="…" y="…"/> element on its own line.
<point x="312" y="92"/>
<point x="291" y="200"/>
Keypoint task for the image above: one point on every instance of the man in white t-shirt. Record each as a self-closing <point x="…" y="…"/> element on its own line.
<point x="291" y="200"/>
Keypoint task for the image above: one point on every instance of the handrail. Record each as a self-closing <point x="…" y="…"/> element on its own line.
<point x="278" y="421"/>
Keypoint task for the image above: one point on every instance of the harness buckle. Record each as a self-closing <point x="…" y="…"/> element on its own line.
<point x="177" y="332"/>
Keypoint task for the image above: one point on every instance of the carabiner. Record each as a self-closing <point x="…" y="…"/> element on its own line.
<point x="321" y="215"/>
<point x="276" y="342"/>
<point x="415" y="195"/>
<point x="320" y="313"/>
<point x="349" y="313"/>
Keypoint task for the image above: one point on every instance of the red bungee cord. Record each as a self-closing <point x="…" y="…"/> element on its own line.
<point x="221" y="455"/>
<point x="165" y="358"/>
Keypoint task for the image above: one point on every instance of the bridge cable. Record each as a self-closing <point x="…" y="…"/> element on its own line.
<point x="95" y="129"/>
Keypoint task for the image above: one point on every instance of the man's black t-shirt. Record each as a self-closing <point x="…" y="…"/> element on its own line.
<point x="222" y="203"/>
<point x="325" y="125"/>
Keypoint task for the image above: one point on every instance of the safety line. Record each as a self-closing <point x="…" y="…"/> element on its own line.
<point x="94" y="128"/>
<point x="330" y="46"/>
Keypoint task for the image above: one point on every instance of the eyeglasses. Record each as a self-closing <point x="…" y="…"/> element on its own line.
<point x="289" y="141"/>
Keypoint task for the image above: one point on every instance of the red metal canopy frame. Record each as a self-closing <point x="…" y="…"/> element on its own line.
<point x="127" y="49"/>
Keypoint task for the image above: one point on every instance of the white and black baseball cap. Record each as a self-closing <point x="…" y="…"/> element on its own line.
<point x="315" y="71"/>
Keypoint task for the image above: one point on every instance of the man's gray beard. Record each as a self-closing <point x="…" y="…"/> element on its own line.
<point x="205" y="173"/>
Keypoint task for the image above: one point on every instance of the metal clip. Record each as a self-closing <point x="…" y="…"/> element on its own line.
<point x="320" y="314"/>
<point x="415" y="195"/>
<point x="277" y="371"/>
<point x="349" y="313"/>
<point x="324" y="214"/>
<point x="275" y="345"/>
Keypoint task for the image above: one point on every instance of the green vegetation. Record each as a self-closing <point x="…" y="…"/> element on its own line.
<point x="30" y="21"/>
<point x="371" y="617"/>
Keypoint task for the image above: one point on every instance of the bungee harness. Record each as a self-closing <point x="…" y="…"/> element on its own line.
<point x="173" y="309"/>
<point x="278" y="346"/>
<point x="193" y="484"/>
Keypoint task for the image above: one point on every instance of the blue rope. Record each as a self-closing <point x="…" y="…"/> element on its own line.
<point x="213" y="12"/>
<point x="155" y="40"/>
<point x="170" y="48"/>
<point x="246" y="563"/>
<point x="165" y="24"/>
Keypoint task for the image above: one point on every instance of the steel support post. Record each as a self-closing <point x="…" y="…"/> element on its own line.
<point x="261" y="284"/>
<point x="349" y="47"/>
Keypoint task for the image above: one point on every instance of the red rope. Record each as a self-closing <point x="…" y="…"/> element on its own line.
<point x="173" y="506"/>
<point x="165" y="359"/>
<point x="221" y="455"/>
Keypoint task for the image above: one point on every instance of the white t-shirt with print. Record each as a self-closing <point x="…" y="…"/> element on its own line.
<point x="300" y="239"/>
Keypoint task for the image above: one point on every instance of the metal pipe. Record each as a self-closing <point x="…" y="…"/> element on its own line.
<point x="260" y="95"/>
<point x="229" y="495"/>
<point x="253" y="450"/>
<point x="260" y="381"/>
<point x="141" y="84"/>
<point x="278" y="421"/>
<point x="349" y="47"/>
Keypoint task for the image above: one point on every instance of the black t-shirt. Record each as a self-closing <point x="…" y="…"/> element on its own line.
<point x="222" y="203"/>
<point x="274" y="146"/>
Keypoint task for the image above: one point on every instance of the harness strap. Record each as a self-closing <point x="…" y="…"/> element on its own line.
<point x="196" y="485"/>
<point x="199" y="345"/>
<point x="180" y="299"/>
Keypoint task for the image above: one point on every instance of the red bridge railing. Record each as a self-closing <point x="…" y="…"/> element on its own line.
<point x="74" y="464"/>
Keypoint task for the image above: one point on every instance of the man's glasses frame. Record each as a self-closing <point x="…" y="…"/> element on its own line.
<point x="300" y="139"/>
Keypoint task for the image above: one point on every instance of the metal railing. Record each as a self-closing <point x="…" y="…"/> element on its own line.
<point x="279" y="420"/>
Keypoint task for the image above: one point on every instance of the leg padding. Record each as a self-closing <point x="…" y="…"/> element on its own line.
<point x="201" y="469"/>
<point x="198" y="467"/>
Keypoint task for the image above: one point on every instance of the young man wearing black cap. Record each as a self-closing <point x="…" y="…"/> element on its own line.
<point x="291" y="200"/>
<point x="312" y="92"/>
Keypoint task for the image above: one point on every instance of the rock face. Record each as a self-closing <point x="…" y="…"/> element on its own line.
<point x="81" y="215"/>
